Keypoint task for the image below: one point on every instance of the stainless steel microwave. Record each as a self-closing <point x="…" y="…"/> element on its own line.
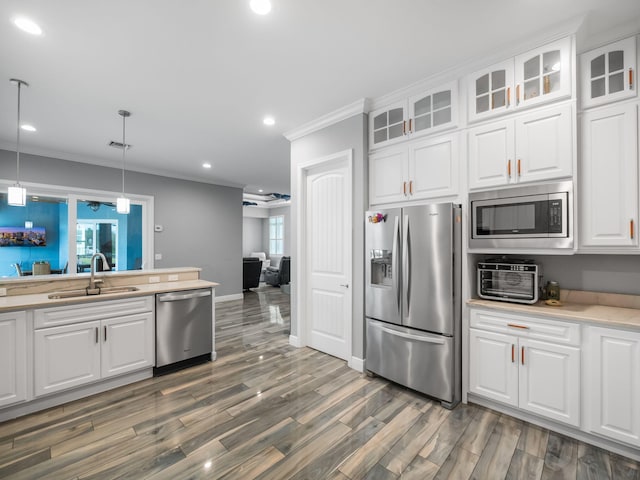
<point x="533" y="217"/>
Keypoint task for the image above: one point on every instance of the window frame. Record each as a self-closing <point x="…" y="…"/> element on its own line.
<point x="278" y="240"/>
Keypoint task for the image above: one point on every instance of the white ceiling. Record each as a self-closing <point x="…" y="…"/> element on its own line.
<point x="199" y="75"/>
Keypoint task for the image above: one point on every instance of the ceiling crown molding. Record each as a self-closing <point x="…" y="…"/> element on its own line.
<point x="348" y="111"/>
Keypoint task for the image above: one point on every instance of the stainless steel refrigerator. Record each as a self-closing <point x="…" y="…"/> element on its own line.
<point x="413" y="298"/>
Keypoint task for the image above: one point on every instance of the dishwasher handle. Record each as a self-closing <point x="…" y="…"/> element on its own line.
<point x="174" y="297"/>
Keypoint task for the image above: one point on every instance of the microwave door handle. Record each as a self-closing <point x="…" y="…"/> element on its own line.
<point x="395" y="262"/>
<point x="406" y="268"/>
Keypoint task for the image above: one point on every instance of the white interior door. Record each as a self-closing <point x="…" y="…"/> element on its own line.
<point x="328" y="256"/>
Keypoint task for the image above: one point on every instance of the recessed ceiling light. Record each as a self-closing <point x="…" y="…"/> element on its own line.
<point x="261" y="7"/>
<point x="269" y="121"/>
<point x="28" y="128"/>
<point x="28" y="26"/>
<point x="206" y="165"/>
<point x="260" y="190"/>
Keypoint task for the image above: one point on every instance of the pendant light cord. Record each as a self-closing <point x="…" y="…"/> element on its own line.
<point x="18" y="138"/>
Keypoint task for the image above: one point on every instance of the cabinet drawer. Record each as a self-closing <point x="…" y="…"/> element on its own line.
<point x="97" y="310"/>
<point x="555" y="331"/>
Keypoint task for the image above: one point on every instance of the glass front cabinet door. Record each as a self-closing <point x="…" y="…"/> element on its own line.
<point x="490" y="91"/>
<point x="544" y="74"/>
<point x="388" y="125"/>
<point x="433" y="111"/>
<point x="608" y="73"/>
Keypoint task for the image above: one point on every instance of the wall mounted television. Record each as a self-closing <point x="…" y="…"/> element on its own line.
<point x="23" y="237"/>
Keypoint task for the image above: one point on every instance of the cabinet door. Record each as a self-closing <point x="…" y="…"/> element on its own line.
<point x="388" y="176"/>
<point x="433" y="167"/>
<point x="614" y="388"/>
<point x="388" y="125"/>
<point x="544" y="145"/>
<point x="609" y="177"/>
<point x="491" y="155"/>
<point x="490" y="91"/>
<point x="608" y="73"/>
<point x="13" y="358"/>
<point x="66" y="357"/>
<point x="544" y="74"/>
<point x="127" y="344"/>
<point x="433" y="111"/>
<point x="550" y="380"/>
<point x="493" y="366"/>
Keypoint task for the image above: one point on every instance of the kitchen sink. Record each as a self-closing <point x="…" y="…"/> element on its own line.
<point x="84" y="292"/>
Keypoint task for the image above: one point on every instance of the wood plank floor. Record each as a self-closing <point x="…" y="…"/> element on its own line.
<point x="270" y="411"/>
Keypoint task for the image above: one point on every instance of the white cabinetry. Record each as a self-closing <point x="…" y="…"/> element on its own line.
<point x="607" y="74"/>
<point x="531" y="147"/>
<point x="526" y="362"/>
<point x="609" y="178"/>
<point x="418" y="170"/>
<point x="80" y="344"/>
<point x="422" y="114"/>
<point x="613" y="384"/>
<point x="538" y="76"/>
<point x="13" y="358"/>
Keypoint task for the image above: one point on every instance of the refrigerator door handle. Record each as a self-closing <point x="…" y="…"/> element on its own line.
<point x="406" y="266"/>
<point x="438" y="341"/>
<point x="395" y="262"/>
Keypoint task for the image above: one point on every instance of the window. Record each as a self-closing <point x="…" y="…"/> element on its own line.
<point x="276" y="235"/>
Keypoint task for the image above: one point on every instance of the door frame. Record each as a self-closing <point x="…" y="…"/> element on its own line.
<point x="344" y="157"/>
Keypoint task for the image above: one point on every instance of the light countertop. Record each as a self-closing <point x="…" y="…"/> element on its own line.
<point x="613" y="310"/>
<point x="41" y="300"/>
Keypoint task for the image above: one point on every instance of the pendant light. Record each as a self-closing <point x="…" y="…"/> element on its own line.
<point x="17" y="195"/>
<point x="123" y="203"/>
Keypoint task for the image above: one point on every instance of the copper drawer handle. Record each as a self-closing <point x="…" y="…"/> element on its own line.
<point x="522" y="355"/>
<point x="404" y="127"/>
<point x="631" y="79"/>
<point x="518" y="94"/>
<point x="631" y="229"/>
<point x="97" y="338"/>
<point x="513" y="353"/>
<point x="410" y="125"/>
<point x="509" y="168"/>
<point x="515" y="325"/>
<point x="508" y="96"/>
<point x="404" y="188"/>
<point x="411" y="187"/>
<point x="518" y="167"/>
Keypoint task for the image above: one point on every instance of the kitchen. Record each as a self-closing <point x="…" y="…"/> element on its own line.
<point x="567" y="270"/>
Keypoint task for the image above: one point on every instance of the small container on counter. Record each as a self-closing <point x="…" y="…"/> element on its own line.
<point x="553" y="291"/>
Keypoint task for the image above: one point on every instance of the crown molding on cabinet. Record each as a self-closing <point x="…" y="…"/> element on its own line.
<point x="348" y="111"/>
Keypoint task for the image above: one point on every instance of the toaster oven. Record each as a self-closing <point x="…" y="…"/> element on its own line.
<point x="512" y="281"/>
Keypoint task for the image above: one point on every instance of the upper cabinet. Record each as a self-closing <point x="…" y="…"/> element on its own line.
<point x="607" y="74"/>
<point x="423" y="114"/>
<point x="538" y="76"/>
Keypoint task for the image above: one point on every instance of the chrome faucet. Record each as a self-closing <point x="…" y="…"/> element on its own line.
<point x="92" y="289"/>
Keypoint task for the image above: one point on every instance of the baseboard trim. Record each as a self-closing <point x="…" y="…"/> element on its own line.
<point x="357" y="364"/>
<point x="294" y="341"/>
<point x="228" y="298"/>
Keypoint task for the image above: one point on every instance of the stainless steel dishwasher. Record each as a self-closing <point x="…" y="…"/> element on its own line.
<point x="183" y="325"/>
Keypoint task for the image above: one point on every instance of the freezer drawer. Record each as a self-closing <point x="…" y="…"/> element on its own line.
<point x="421" y="361"/>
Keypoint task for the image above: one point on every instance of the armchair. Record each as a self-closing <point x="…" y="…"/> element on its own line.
<point x="277" y="276"/>
<point x="251" y="269"/>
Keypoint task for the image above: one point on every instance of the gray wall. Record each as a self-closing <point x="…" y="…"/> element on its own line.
<point x="202" y="222"/>
<point x="252" y="236"/>
<point x="347" y="134"/>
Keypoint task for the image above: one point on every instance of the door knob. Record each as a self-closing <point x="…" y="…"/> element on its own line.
<point x="345" y="285"/>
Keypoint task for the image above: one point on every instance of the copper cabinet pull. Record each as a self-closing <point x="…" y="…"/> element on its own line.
<point x="518" y="167"/>
<point x="513" y="353"/>
<point x="518" y="94"/>
<point x="97" y="338"/>
<point x="404" y="188"/>
<point x="631" y="229"/>
<point x="515" y="325"/>
<point x="509" y="168"/>
<point x="493" y="103"/>
<point x="522" y="355"/>
<point x="631" y="79"/>
<point x="411" y="187"/>
<point x="410" y="125"/>
<point x="105" y="333"/>
<point x="404" y="127"/>
<point x="508" y="96"/>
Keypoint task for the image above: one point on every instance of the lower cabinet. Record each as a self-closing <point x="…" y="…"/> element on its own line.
<point x="613" y="384"/>
<point x="13" y="358"/>
<point x="82" y="352"/>
<point x="508" y="366"/>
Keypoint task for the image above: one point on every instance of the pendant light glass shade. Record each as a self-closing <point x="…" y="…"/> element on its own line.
<point x="123" y="205"/>
<point x="17" y="195"/>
